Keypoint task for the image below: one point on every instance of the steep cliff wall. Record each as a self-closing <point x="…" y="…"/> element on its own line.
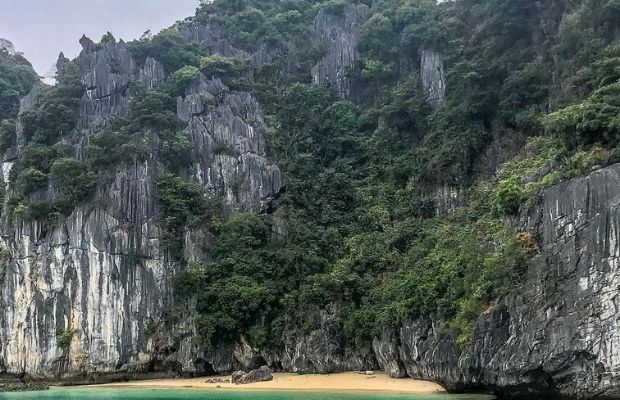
<point x="90" y="297"/>
<point x="80" y="277"/>
<point x="433" y="77"/>
<point x="342" y="34"/>
<point x="558" y="332"/>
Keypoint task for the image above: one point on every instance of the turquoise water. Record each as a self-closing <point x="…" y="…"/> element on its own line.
<point x="133" y="394"/>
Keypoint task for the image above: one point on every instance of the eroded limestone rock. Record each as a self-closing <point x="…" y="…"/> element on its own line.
<point x="342" y="33"/>
<point x="558" y="333"/>
<point x="263" y="374"/>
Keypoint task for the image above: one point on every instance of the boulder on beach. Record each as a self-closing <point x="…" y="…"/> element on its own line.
<point x="262" y="374"/>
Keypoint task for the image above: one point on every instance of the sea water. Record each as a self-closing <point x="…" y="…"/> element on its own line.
<point x="165" y="394"/>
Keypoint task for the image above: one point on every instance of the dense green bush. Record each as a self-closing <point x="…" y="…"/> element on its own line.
<point x="29" y="180"/>
<point x="8" y="134"/>
<point x="167" y="47"/>
<point x="217" y="66"/>
<point x="184" y="205"/>
<point x="239" y="284"/>
<point x="17" y="78"/>
<point x="56" y="110"/>
<point x="509" y="197"/>
<point x="178" y="82"/>
<point x="73" y="178"/>
<point x="64" y="337"/>
<point x="151" y="127"/>
<point x="595" y="120"/>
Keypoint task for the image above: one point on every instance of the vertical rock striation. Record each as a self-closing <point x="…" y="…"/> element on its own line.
<point x="433" y="77"/>
<point x="342" y="33"/>
<point x="78" y="296"/>
<point x="226" y="130"/>
<point x="557" y="334"/>
<point x="321" y="351"/>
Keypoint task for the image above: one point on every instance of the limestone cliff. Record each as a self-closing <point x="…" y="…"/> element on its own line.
<point x="342" y="33"/>
<point x="557" y="333"/>
<point x="79" y="298"/>
<point x="80" y="277"/>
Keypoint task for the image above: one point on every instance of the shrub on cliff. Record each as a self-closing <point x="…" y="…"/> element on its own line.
<point x="17" y="78"/>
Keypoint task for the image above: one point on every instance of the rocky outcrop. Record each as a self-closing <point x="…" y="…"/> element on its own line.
<point x="558" y="333"/>
<point x="79" y="297"/>
<point x="447" y="198"/>
<point x="226" y="130"/>
<point x="213" y="39"/>
<point x="263" y="374"/>
<point x="342" y="33"/>
<point x="10" y="383"/>
<point x="108" y="69"/>
<point x="433" y="77"/>
<point x="7" y="47"/>
<point x="322" y="350"/>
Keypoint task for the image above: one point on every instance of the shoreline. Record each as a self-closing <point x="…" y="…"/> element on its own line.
<point x="338" y="382"/>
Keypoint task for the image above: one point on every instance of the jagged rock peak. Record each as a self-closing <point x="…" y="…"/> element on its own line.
<point x="87" y="44"/>
<point x="216" y="115"/>
<point x="62" y="62"/>
<point x="108" y="38"/>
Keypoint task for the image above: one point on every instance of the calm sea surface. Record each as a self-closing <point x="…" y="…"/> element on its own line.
<point x="134" y="394"/>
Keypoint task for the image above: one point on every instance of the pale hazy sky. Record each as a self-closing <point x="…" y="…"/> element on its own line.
<point x="41" y="29"/>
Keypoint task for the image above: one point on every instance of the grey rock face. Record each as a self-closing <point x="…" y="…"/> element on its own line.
<point x="387" y="353"/>
<point x="263" y="374"/>
<point x="109" y="68"/>
<point x="447" y="198"/>
<point x="213" y="39"/>
<point x="82" y="275"/>
<point x="558" y="333"/>
<point x="321" y="351"/>
<point x="25" y="104"/>
<point x="226" y="130"/>
<point x="433" y="77"/>
<point x="101" y="275"/>
<point x="342" y="35"/>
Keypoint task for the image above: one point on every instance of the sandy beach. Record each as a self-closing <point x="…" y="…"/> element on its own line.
<point x="350" y="381"/>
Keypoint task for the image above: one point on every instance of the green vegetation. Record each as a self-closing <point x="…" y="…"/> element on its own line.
<point x="218" y="66"/>
<point x="151" y="128"/>
<point x="169" y="48"/>
<point x="47" y="156"/>
<point x="359" y="224"/>
<point x="151" y="327"/>
<point x="16" y="79"/>
<point x="180" y="80"/>
<point x="55" y="112"/>
<point x="242" y="280"/>
<point x="64" y="337"/>
<point x="184" y="205"/>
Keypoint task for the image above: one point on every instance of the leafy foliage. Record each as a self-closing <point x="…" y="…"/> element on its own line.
<point x="184" y="205"/>
<point x="358" y="225"/>
<point x="16" y="79"/>
<point x="56" y="110"/>
<point x="152" y="127"/>
<point x="64" y="337"/>
<point x="169" y="48"/>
